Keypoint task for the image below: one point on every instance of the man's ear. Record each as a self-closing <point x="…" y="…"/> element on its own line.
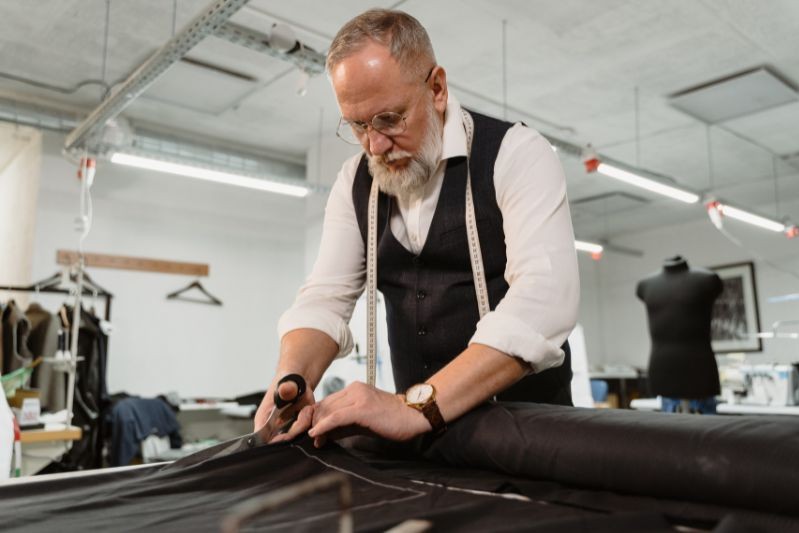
<point x="438" y="83"/>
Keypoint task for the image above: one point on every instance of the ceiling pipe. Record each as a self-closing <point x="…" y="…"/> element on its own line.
<point x="204" y="24"/>
<point x="306" y="59"/>
<point x="203" y="153"/>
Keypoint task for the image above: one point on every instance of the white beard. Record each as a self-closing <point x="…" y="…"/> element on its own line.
<point x="419" y="169"/>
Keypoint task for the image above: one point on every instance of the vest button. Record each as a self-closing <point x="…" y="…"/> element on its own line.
<point x="420" y="295"/>
<point x="426" y="366"/>
<point x="417" y="261"/>
<point x="422" y="331"/>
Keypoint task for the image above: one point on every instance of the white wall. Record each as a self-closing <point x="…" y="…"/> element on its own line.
<point x="252" y="241"/>
<point x="615" y="320"/>
<point x="20" y="159"/>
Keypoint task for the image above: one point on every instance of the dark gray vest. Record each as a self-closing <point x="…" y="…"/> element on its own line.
<point x="431" y="305"/>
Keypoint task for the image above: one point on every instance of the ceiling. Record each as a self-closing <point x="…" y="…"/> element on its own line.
<point x="580" y="70"/>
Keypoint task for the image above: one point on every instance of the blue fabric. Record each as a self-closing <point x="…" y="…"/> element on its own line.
<point x="599" y="390"/>
<point x="135" y="419"/>
<point x="703" y="406"/>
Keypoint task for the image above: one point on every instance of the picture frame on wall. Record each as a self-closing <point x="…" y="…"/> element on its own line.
<point x="736" y="320"/>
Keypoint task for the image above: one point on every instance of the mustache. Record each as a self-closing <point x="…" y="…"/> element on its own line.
<point x="392" y="156"/>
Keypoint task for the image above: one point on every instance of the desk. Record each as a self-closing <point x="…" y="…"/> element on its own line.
<point x="214" y="420"/>
<point x="743" y="409"/>
<point x="206" y="406"/>
<point x="646" y="404"/>
<point x="653" y="404"/>
<point x="617" y="377"/>
<point x="58" y="432"/>
<point x="40" y="446"/>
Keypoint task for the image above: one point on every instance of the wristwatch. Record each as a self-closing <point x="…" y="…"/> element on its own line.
<point x="422" y="397"/>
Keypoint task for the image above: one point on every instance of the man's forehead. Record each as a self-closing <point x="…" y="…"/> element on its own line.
<point x="368" y="82"/>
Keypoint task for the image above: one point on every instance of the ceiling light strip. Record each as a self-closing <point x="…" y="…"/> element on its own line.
<point x="206" y="174"/>
<point x="750" y="218"/>
<point x="590" y="247"/>
<point x="648" y="184"/>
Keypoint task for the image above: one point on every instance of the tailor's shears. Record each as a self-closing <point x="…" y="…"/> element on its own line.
<point x="255" y="439"/>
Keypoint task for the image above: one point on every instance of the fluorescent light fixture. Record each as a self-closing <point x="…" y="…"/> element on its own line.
<point x="648" y="184"/>
<point x="750" y="218"/>
<point x="589" y="247"/>
<point x="209" y="175"/>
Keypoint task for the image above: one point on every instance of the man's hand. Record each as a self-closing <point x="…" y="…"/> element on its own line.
<point x="287" y="391"/>
<point x="359" y="409"/>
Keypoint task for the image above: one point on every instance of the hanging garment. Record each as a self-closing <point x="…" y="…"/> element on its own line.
<point x="135" y="419"/>
<point x="91" y="396"/>
<point x="43" y="342"/>
<point x="15" y="338"/>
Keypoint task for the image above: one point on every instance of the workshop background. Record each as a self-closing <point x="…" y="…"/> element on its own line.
<point x="699" y="95"/>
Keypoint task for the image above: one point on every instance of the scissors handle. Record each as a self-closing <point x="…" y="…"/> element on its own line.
<point x="297" y="380"/>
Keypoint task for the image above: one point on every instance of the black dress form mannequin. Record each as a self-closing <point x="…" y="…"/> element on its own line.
<point x="679" y="304"/>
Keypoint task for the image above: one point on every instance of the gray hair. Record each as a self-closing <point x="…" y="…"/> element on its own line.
<point x="402" y="34"/>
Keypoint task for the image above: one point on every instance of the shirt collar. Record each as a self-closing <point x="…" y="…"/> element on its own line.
<point x="454" y="139"/>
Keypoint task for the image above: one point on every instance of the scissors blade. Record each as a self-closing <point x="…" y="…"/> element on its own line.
<point x="266" y="432"/>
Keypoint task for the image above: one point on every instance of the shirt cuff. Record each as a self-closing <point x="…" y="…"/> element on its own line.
<point x="328" y="323"/>
<point x="515" y="338"/>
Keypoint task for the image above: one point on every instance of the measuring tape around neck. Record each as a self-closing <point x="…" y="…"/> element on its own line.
<point x="475" y="255"/>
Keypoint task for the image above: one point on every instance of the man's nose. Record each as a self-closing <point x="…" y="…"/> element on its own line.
<point x="379" y="143"/>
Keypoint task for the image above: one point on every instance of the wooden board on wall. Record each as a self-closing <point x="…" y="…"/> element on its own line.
<point x="142" y="264"/>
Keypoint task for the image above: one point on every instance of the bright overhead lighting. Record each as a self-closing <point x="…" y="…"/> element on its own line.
<point x="209" y="175"/>
<point x="750" y="218"/>
<point x="589" y="247"/>
<point x="648" y="184"/>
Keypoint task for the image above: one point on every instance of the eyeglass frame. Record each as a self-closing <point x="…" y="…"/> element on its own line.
<point x="364" y="125"/>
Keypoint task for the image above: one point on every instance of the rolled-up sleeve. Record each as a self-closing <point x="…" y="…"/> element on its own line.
<point x="327" y="299"/>
<point x="540" y="308"/>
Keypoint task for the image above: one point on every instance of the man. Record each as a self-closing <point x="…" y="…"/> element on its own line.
<point x="394" y="102"/>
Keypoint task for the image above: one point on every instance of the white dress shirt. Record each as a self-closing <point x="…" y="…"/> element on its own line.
<point x="540" y="308"/>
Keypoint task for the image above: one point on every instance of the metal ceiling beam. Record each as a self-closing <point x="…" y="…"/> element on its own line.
<point x="204" y="24"/>
<point x="25" y="114"/>
<point x="305" y="58"/>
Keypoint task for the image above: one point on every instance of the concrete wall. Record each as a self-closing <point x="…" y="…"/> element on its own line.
<point x="252" y="241"/>
<point x="20" y="159"/>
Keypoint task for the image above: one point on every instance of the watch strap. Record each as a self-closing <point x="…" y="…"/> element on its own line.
<point x="432" y="413"/>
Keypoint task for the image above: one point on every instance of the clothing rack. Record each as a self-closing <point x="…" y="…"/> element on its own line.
<point x="84" y="286"/>
<point x="90" y="288"/>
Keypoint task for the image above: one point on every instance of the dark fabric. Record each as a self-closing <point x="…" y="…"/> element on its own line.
<point x="91" y="398"/>
<point x="135" y="419"/>
<point x="16" y="329"/>
<point x="43" y="342"/>
<point x="531" y="440"/>
<point x="431" y="307"/>
<point x="679" y="304"/>
<point x="197" y="498"/>
<point x="749" y="462"/>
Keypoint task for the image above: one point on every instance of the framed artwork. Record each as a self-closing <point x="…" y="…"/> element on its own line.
<point x="736" y="320"/>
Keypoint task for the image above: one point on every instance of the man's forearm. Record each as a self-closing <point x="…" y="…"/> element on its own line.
<point x="473" y="377"/>
<point x="307" y="352"/>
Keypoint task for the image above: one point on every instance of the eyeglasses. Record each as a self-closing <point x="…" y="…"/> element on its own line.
<point x="388" y="123"/>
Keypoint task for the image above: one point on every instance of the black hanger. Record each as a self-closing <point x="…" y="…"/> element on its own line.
<point x="177" y="295"/>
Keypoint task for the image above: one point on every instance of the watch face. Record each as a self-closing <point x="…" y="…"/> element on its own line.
<point x="419" y="393"/>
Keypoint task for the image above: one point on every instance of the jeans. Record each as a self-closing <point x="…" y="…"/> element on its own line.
<point x="703" y="406"/>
